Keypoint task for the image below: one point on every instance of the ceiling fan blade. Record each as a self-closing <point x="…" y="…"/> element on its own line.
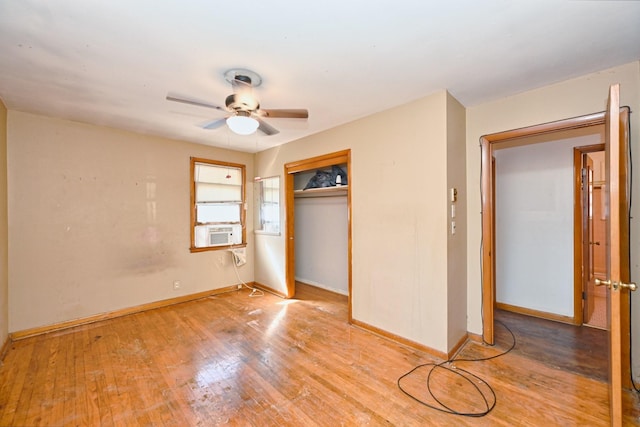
<point x="193" y="101"/>
<point x="290" y="113"/>
<point x="266" y="128"/>
<point x="214" y="124"/>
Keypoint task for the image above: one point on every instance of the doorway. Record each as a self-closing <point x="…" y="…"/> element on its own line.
<point x="490" y="143"/>
<point x="534" y="231"/>
<point x="290" y="170"/>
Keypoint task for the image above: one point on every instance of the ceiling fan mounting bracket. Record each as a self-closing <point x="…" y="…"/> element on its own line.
<point x="241" y="74"/>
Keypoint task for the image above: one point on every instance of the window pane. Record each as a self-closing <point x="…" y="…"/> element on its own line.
<point x="206" y="192"/>
<point x="218" y="213"/>
<point x="268" y="205"/>
<point x="218" y="174"/>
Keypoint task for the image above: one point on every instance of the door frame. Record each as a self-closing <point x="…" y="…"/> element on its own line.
<point x="490" y="143"/>
<point x="290" y="169"/>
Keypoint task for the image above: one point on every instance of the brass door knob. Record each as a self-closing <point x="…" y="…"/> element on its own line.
<point x="631" y="286"/>
<point x="615" y="285"/>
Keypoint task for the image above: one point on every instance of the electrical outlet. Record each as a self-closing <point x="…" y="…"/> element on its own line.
<point x="176" y="285"/>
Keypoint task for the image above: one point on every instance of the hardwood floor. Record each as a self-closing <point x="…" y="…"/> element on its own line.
<point x="234" y="360"/>
<point x="578" y="349"/>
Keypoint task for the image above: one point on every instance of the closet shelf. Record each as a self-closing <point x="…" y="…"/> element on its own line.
<point x="322" y="192"/>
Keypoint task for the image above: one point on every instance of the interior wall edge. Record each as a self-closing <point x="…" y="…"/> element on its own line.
<point x="4" y="225"/>
<point x="399" y="339"/>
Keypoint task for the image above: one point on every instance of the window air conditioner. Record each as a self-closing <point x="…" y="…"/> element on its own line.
<point x="219" y="236"/>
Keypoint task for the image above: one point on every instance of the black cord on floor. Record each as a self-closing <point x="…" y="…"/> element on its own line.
<point x="434" y="366"/>
<point x="488" y="399"/>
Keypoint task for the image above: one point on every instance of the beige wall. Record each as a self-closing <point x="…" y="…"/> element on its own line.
<point x="99" y="221"/>
<point x="576" y="97"/>
<point x="4" y="278"/>
<point x="399" y="180"/>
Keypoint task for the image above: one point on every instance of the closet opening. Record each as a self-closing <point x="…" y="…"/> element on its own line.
<point x="318" y="223"/>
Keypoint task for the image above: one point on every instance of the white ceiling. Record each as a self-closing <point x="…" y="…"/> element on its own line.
<point x="112" y="62"/>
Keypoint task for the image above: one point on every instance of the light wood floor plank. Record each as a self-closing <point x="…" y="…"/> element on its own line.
<point x="233" y="360"/>
<point x="79" y="415"/>
<point x="67" y="384"/>
<point x="25" y="409"/>
<point x="56" y="390"/>
<point x="11" y="387"/>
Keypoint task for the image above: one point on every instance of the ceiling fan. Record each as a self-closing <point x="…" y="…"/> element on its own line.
<point x="245" y="115"/>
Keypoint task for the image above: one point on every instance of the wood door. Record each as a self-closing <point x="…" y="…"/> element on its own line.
<point x="596" y="295"/>
<point x="587" y="245"/>
<point x="599" y="237"/>
<point x="616" y="160"/>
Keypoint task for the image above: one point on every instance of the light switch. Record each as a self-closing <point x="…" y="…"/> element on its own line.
<point x="453" y="195"/>
<point x="453" y="227"/>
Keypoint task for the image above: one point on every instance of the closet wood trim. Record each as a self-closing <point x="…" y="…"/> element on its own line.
<point x="322" y="161"/>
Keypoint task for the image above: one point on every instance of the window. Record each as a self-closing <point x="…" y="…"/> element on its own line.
<point x="267" y="191"/>
<point x="217" y="204"/>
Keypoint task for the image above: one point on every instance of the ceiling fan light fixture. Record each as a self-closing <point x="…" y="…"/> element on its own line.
<point x="242" y="124"/>
<point x="243" y="106"/>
